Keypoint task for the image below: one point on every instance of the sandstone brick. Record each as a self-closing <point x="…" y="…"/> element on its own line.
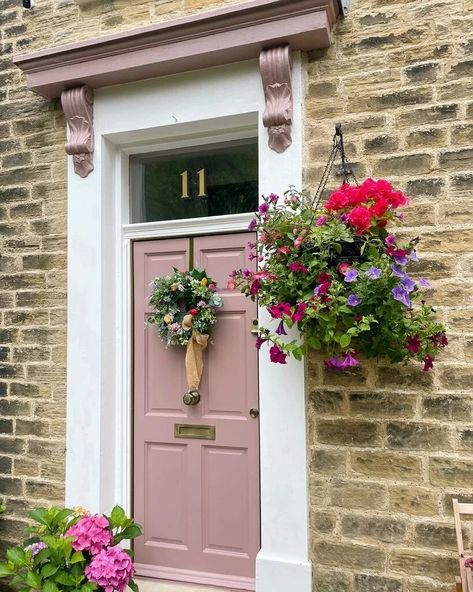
<point x="331" y="581"/>
<point x="407" y="377"/>
<point x="373" y="528"/>
<point x="382" y="404"/>
<point x="327" y="402"/>
<point x="360" y="495"/>
<point x="452" y="472"/>
<point x="447" y="407"/>
<point x="422" y="73"/>
<point x="416" y="501"/>
<point x="373" y="583"/>
<point x="425" y="187"/>
<point x="456" y="160"/>
<point x="324" y="521"/>
<point x="404" y="165"/>
<point x="384" y="143"/>
<point x="327" y="461"/>
<point x="348" y="432"/>
<point x="427" y="137"/>
<point x="44" y="490"/>
<point x="421" y="563"/>
<point x="448" y="241"/>
<point x="457" y="377"/>
<point x="417" y="436"/>
<point x="354" y="556"/>
<point x="429" y="115"/>
<point x="386" y="465"/>
<point x="437" y="536"/>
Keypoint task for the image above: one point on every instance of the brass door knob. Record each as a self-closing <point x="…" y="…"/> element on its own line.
<point x="254" y="413"/>
<point x="191" y="398"/>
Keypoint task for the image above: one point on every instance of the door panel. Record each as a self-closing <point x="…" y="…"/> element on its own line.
<point x="198" y="500"/>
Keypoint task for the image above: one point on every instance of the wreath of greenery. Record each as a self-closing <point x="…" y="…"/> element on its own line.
<point x="183" y="303"/>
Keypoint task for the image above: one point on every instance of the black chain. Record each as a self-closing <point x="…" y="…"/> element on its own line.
<point x="345" y="168"/>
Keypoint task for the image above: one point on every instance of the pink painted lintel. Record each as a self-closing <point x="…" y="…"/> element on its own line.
<point x="233" y="33"/>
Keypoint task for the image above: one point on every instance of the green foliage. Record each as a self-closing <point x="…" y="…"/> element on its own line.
<point x="47" y="560"/>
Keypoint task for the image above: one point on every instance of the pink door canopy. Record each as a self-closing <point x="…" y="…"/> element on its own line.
<point x="198" y="499"/>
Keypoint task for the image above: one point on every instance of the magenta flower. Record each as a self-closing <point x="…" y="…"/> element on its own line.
<point x="273" y="198"/>
<point x="297" y="266"/>
<point x="390" y="239"/>
<point x="277" y="310"/>
<point x="277" y="355"/>
<point x="354" y="300"/>
<point x="252" y="224"/>
<point x="428" y="363"/>
<point x="264" y="207"/>
<point x="346" y="361"/>
<point x="91" y="534"/>
<point x="321" y="221"/>
<point x="413" y="344"/>
<point x="299" y="314"/>
<point x="399" y="293"/>
<point x="255" y="286"/>
<point x="111" y="569"/>
<point x="280" y="329"/>
<point x="259" y="342"/>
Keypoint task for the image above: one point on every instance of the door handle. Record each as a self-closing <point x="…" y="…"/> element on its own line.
<point x="254" y="413"/>
<point x="255" y="330"/>
<point x="191" y="398"/>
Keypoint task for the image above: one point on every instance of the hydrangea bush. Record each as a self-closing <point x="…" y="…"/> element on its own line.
<point x="73" y="550"/>
<point x="340" y="276"/>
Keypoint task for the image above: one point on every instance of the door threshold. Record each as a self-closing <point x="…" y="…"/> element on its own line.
<point x="152" y="585"/>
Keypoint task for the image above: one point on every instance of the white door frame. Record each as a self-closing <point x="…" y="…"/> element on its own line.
<point x="210" y="105"/>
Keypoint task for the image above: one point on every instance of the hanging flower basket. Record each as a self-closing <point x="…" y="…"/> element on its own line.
<point x="338" y="274"/>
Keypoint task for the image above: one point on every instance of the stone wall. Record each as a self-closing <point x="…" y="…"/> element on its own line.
<point x="390" y="446"/>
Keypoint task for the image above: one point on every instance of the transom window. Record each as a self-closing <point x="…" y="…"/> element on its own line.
<point x="211" y="180"/>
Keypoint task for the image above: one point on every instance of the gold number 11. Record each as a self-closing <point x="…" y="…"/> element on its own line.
<point x="185" y="184"/>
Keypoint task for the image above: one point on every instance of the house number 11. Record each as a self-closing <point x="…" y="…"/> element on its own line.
<point x="201" y="183"/>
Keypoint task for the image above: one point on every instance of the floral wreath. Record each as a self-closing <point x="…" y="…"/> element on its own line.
<point x="184" y="303"/>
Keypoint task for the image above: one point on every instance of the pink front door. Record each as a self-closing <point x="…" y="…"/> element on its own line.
<point x="198" y="500"/>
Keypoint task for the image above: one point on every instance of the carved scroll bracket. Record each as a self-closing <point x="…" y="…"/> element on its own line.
<point x="78" y="106"/>
<point x="276" y="73"/>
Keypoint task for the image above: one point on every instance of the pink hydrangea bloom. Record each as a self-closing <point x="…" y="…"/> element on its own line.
<point x="111" y="569"/>
<point x="91" y="534"/>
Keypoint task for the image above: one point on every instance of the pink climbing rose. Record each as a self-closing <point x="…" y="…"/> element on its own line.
<point x="111" y="569"/>
<point x="91" y="534"/>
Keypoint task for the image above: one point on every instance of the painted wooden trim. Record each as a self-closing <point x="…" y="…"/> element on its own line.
<point x="233" y="33"/>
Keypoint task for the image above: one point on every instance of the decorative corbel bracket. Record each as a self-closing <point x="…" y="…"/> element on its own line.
<point x="78" y="106"/>
<point x="276" y="73"/>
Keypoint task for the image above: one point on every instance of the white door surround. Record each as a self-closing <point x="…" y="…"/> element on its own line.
<point x="211" y="105"/>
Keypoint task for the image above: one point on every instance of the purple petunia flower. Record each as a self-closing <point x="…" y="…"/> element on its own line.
<point x="407" y="283"/>
<point x="346" y="361"/>
<point x="321" y="221"/>
<point x="259" y="342"/>
<point x="373" y="273"/>
<point x="424" y="283"/>
<point x="390" y="239"/>
<point x="280" y="330"/>
<point x="273" y="198"/>
<point x="413" y="256"/>
<point x="400" y="259"/>
<point x="351" y="276"/>
<point x="399" y="293"/>
<point x="252" y="224"/>
<point x="354" y="300"/>
<point x="398" y="271"/>
<point x="264" y="207"/>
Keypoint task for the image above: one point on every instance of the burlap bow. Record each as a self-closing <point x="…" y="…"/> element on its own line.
<point x="194" y="359"/>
